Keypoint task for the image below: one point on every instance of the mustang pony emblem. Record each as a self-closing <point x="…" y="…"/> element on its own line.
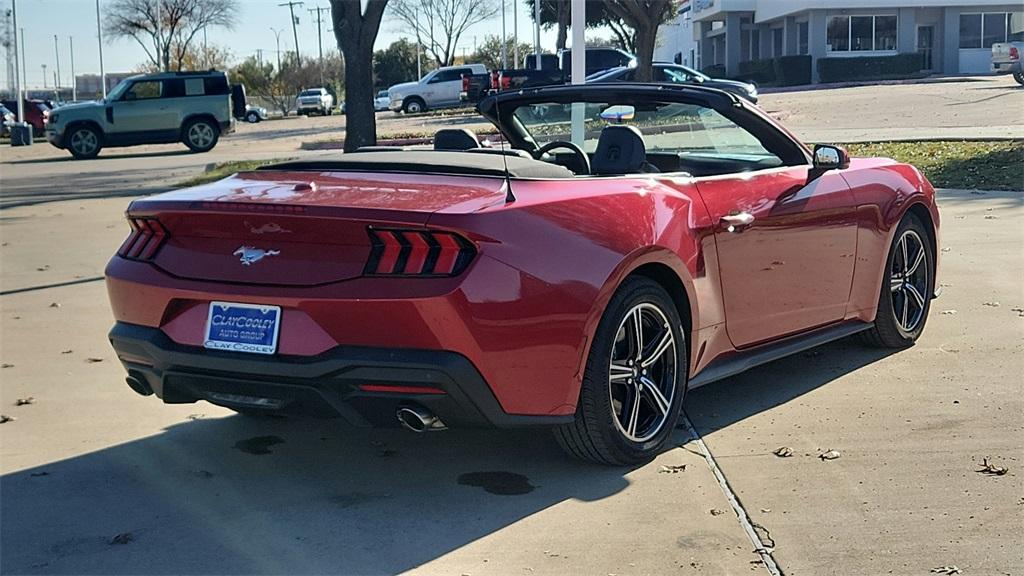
<point x="250" y="255"/>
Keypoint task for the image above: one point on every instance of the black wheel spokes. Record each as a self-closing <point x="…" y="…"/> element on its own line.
<point x="642" y="373"/>
<point x="908" y="281"/>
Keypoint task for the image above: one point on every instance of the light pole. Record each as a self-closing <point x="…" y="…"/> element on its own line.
<point x="74" y="82"/>
<point x="56" y="53"/>
<point x="515" y="34"/>
<point x="504" y="45"/>
<point x="99" y="37"/>
<point x="277" y="35"/>
<point x="19" y="85"/>
<point x="44" y="77"/>
<point x="536" y="31"/>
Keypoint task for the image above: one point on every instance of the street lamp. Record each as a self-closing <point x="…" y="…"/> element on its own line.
<point x="277" y="34"/>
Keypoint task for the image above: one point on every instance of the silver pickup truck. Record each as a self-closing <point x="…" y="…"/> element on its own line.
<point x="1006" y="59"/>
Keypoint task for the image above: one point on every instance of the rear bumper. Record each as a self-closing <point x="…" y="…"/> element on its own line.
<point x="330" y="384"/>
<point x="1006" y="67"/>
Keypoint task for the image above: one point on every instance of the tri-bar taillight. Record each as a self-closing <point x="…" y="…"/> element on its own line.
<point x="145" y="240"/>
<point x="417" y="253"/>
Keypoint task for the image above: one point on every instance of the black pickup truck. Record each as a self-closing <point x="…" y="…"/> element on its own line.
<point x="554" y="69"/>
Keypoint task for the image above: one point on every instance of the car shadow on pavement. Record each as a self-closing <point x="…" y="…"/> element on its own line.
<point x="105" y="156"/>
<point x="729" y="401"/>
<point x="242" y="495"/>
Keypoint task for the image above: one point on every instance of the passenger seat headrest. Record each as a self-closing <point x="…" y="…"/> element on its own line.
<point x="620" y="150"/>
<point x="455" y="139"/>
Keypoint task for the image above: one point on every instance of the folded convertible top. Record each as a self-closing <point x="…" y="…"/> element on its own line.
<point x="432" y="162"/>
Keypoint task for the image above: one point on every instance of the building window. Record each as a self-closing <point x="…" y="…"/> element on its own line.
<point x="802" y="34"/>
<point x="839" y="33"/>
<point x="983" y="30"/>
<point x="862" y="33"/>
<point x="776" y="42"/>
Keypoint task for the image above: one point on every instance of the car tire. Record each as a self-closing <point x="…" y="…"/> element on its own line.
<point x="905" y="295"/>
<point x="329" y="112"/>
<point x="1019" y="77"/>
<point x="84" y="142"/>
<point x="252" y="118"/>
<point x="618" y="420"/>
<point x="200" y="135"/>
<point x="413" y="106"/>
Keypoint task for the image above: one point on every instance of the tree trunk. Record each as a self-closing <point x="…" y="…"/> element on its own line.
<point x="355" y="33"/>
<point x="563" y="16"/>
<point x="645" y="39"/>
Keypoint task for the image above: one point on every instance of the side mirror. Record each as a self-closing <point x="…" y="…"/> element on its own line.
<point x="827" y="157"/>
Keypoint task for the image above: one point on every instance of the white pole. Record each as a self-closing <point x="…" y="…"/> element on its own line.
<point x="56" y="53"/>
<point x="74" y="83"/>
<point x="579" y="65"/>
<point x="99" y="37"/>
<point x="24" y="67"/>
<point x="536" y="30"/>
<point x="19" y="87"/>
<point x="504" y="44"/>
<point x="515" y="34"/>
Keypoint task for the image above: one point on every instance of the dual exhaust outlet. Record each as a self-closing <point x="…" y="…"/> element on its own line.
<point x="419" y="419"/>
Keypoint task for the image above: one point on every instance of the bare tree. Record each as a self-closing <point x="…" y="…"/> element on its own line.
<point x="165" y="28"/>
<point x="439" y="24"/>
<point x="355" y="31"/>
<point x="644" y="17"/>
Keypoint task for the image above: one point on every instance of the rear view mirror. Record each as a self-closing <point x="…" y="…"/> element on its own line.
<point x="828" y="157"/>
<point x="618" y="113"/>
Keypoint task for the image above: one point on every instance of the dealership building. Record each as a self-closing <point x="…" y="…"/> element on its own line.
<point x="953" y="36"/>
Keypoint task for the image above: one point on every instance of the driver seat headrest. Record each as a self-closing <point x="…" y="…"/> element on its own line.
<point x="455" y="139"/>
<point x="620" y="150"/>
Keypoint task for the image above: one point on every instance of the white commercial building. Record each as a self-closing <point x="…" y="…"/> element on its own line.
<point x="954" y="36"/>
<point x="676" y="39"/>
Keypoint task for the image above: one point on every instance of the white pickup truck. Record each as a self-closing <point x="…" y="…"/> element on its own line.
<point x="439" y="89"/>
<point x="1006" y="59"/>
<point x="317" y="100"/>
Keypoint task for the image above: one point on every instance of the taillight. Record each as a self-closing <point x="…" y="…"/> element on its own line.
<point x="494" y="80"/>
<point x="1014" y="53"/>
<point x="506" y="82"/>
<point x="417" y="253"/>
<point x="147" y="237"/>
<point x="465" y="83"/>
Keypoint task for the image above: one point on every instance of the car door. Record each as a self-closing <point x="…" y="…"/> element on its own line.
<point x="786" y="243"/>
<point x="446" y="86"/>
<point x="140" y="114"/>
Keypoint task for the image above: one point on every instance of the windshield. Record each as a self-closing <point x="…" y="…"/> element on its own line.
<point x="604" y="74"/>
<point x="310" y="93"/>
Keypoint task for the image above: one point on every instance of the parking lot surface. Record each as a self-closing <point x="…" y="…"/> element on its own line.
<point x="97" y="480"/>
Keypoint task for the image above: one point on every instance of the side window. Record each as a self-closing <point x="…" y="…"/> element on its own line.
<point x="144" y="90"/>
<point x="688" y="129"/>
<point x="195" y="87"/>
<point x="173" y="89"/>
<point x="676" y="76"/>
<point x="215" y="85"/>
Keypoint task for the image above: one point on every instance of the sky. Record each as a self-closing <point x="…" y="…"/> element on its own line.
<point x="41" y="19"/>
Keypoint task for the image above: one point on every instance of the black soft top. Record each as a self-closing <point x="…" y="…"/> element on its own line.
<point x="432" y="162"/>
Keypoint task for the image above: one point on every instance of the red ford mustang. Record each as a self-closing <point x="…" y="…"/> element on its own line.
<point x="684" y="237"/>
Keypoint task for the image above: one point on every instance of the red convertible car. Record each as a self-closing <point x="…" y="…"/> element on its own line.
<point x="684" y="237"/>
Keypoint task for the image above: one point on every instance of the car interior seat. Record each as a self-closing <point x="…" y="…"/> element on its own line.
<point x="455" y="139"/>
<point x="620" y="150"/>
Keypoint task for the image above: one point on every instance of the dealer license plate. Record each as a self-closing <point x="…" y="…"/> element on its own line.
<point x="243" y="327"/>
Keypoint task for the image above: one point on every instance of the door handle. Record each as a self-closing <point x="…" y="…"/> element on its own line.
<point x="737" y="221"/>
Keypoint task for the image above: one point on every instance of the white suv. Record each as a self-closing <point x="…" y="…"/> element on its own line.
<point x="314" y="100"/>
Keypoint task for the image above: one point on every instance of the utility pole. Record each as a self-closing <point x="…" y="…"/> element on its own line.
<point x="515" y="34"/>
<point x="504" y="36"/>
<point x="160" y="37"/>
<point x="319" y="20"/>
<point x="291" y="10"/>
<point x="44" y="78"/>
<point x="206" y="51"/>
<point x="56" y="52"/>
<point x="99" y="36"/>
<point x="277" y="34"/>
<point x="74" y="82"/>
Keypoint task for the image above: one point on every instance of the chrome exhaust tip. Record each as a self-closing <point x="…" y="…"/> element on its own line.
<point x="418" y="419"/>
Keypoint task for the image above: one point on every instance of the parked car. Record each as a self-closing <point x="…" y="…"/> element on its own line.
<point x="382" y="101"/>
<point x="554" y="69"/>
<point x="37" y="114"/>
<point x="317" y="100"/>
<point x="677" y="74"/>
<point x="438" y="89"/>
<point x="583" y="286"/>
<point x="194" y="108"/>
<point x="254" y="114"/>
<point x="1006" y="59"/>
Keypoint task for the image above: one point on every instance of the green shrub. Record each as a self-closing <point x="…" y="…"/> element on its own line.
<point x="759" y="71"/>
<point x="870" y="67"/>
<point x="715" y="70"/>
<point x="792" y="70"/>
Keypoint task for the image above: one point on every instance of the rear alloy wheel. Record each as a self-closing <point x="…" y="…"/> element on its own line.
<point x="1019" y="77"/>
<point x="200" y="135"/>
<point x="634" y="382"/>
<point x="84" y="143"/>
<point x="905" y="296"/>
